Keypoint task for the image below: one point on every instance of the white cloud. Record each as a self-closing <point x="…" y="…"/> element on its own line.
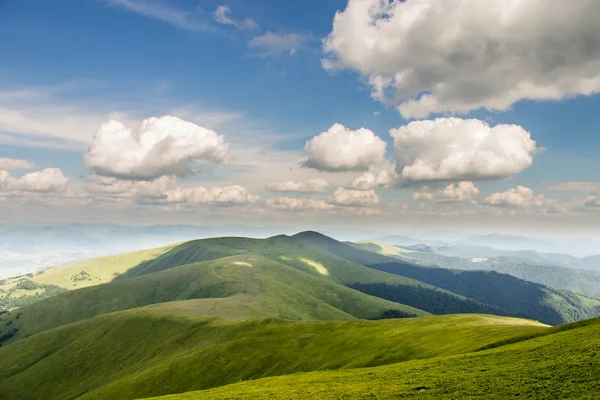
<point x="370" y="180"/>
<point x="271" y="43"/>
<point x="523" y="197"/>
<point x="453" y="193"/>
<point x="468" y="54"/>
<point x="103" y="187"/>
<point x="11" y="164"/>
<point x="424" y="193"/>
<point x="342" y="149"/>
<point x="162" y="146"/>
<point x="46" y="180"/>
<point x="461" y="192"/>
<point x="183" y="19"/>
<point x="517" y="197"/>
<point x="449" y="149"/>
<point x="233" y="195"/>
<point x="222" y="15"/>
<point x="316" y="185"/>
<point x="350" y="197"/>
<point x="291" y="203"/>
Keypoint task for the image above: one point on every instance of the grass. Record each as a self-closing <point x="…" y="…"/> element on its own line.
<point x="510" y="294"/>
<point x="563" y="363"/>
<point x="263" y="288"/>
<point x="163" y="349"/>
<point x="99" y="269"/>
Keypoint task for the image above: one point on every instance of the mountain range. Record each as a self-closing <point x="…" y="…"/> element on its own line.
<point x="208" y="313"/>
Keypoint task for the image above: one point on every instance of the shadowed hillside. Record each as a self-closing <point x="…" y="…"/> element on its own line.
<point x="497" y="290"/>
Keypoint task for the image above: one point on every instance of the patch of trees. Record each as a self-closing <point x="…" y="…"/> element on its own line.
<point x="500" y="291"/>
<point x="26" y="284"/>
<point x="82" y="276"/>
<point x="6" y="336"/>
<point x="390" y="314"/>
<point x="430" y="300"/>
<point x="9" y="302"/>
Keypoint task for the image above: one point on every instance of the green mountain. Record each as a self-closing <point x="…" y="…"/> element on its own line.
<point x="502" y="291"/>
<point x="305" y="277"/>
<point x="241" y="286"/>
<point x="164" y="349"/>
<point x="556" y="277"/>
<point x="561" y="363"/>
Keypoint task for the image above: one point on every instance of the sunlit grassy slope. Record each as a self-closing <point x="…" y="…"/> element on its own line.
<point x="74" y="276"/>
<point x="262" y="288"/>
<point x="162" y="349"/>
<point x="560" y="365"/>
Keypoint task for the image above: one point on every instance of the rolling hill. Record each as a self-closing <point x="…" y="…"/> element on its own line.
<point x="246" y="286"/>
<point x="502" y="291"/>
<point x="306" y="277"/>
<point x="560" y="278"/>
<point x="160" y="350"/>
<point x="562" y="363"/>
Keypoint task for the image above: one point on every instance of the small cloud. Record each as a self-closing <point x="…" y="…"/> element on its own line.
<point x="377" y="113"/>
<point x="180" y="18"/>
<point x="272" y="44"/>
<point x="223" y="16"/>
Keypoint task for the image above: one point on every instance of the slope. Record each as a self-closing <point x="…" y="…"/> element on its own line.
<point x="269" y="289"/>
<point x="508" y="293"/>
<point x="55" y="280"/>
<point x="289" y="251"/>
<point x="562" y="364"/>
<point x="145" y="352"/>
<point x="556" y="277"/>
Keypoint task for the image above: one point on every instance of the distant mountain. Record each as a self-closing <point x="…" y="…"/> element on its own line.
<point x="489" y="287"/>
<point x="398" y="240"/>
<point x="573" y="247"/>
<point x="560" y="278"/>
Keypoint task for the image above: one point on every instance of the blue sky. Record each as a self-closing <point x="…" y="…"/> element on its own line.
<point x="254" y="71"/>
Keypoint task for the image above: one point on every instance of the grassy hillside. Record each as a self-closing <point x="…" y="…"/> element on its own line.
<point x="150" y="352"/>
<point x="562" y="364"/>
<point x="497" y="290"/>
<point x="56" y="280"/>
<point x="269" y="289"/>
<point x="560" y="278"/>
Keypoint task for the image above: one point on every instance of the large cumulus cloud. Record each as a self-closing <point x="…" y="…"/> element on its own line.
<point x="343" y="149"/>
<point x="453" y="149"/>
<point x="163" y="146"/>
<point x="436" y="56"/>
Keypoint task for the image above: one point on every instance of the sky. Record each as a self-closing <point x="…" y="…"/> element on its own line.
<point x="387" y="115"/>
